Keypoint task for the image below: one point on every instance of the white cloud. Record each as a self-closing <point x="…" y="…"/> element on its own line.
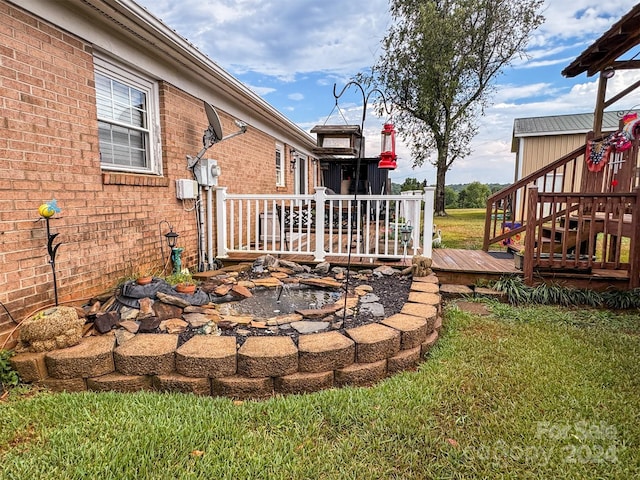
<point x="295" y="96"/>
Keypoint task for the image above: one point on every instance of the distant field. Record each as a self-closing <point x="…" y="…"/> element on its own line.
<point x="462" y="228"/>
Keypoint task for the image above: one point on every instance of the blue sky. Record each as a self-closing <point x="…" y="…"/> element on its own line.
<point x="291" y="52"/>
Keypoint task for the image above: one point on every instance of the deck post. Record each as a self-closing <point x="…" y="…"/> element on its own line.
<point x="530" y="237"/>
<point x="634" y="246"/>
<point x="427" y="229"/>
<point x="221" y="221"/>
<point x="320" y="199"/>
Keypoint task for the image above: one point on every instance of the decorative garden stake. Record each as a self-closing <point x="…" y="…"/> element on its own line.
<point x="46" y="211"/>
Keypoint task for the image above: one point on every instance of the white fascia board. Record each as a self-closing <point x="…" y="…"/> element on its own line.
<point x="120" y="27"/>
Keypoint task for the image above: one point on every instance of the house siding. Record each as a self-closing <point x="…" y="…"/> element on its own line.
<point x="109" y="225"/>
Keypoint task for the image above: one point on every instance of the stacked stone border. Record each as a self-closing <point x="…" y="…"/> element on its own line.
<point x="261" y="367"/>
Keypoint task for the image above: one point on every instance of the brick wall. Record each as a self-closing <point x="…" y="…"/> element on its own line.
<point x="110" y="223"/>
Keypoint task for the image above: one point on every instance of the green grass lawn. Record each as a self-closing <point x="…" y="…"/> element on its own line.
<point x="524" y="393"/>
<point x="462" y="228"/>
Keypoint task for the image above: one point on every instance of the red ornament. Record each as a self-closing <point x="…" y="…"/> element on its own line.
<point x="614" y="183"/>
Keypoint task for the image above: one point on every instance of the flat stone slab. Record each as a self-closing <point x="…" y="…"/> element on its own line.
<point x="207" y="356"/>
<point x="307" y="327"/>
<point x="490" y="293"/>
<point x="474" y="308"/>
<point x="427" y="279"/>
<point x="92" y="357"/>
<point x="413" y="330"/>
<point x="174" y="382"/>
<point x="425" y="298"/>
<point x="374" y="342"/>
<point x="303" y="382"/>
<point x="424" y="287"/>
<point x="269" y="282"/>
<point x="322" y="352"/>
<point x="267" y="357"/>
<point x="321" y="282"/>
<point x="117" y="382"/>
<point x="147" y="354"/>
<point x="455" y="291"/>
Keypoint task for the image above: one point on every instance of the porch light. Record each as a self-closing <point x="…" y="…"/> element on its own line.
<point x="608" y="72"/>
<point x="388" y="148"/>
<point x="172" y="237"/>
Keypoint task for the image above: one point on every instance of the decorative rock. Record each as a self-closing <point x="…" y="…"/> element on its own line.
<point x="128" y="313"/>
<point x="242" y="292"/>
<point x="196" y="320"/>
<point x="90" y="358"/>
<point x="146" y="308"/>
<point x="325" y="351"/>
<point x="149" y="325"/>
<point x="207" y="356"/>
<point x="123" y="336"/>
<point x="421" y="266"/>
<point x="173" y="325"/>
<point x="222" y="290"/>
<point x="267" y="357"/>
<point x="455" y="291"/>
<point x="426" y="279"/>
<point x="130" y="326"/>
<point x="95" y="309"/>
<point x="374" y="342"/>
<point x="171" y="300"/>
<point x="104" y="322"/>
<point x="147" y="354"/>
<point x="280" y="275"/>
<point x="386" y="270"/>
<point x="362" y="290"/>
<point x="205" y="310"/>
<point x="375" y="309"/>
<point x="319" y="312"/>
<point x="369" y="298"/>
<point x="246" y="283"/>
<point x="322" y="268"/>
<point x="226" y="325"/>
<point x="296" y="267"/>
<point x="321" y="282"/>
<point x="57" y="327"/>
<point x="490" y="293"/>
<point x="165" y="311"/>
<point x="258" y="324"/>
<point x="305" y="326"/>
<point x="282" y="319"/>
<point x="267" y="282"/>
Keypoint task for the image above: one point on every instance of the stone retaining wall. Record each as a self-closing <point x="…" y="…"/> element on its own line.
<point x="261" y="367"/>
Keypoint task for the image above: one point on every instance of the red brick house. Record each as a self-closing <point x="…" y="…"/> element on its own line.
<point x="101" y="104"/>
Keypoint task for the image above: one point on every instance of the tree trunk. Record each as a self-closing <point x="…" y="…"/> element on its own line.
<point x="441" y="171"/>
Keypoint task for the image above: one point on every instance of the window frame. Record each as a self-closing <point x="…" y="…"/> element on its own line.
<point x="132" y="78"/>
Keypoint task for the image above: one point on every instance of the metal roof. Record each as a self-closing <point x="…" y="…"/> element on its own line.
<point x="564" y="124"/>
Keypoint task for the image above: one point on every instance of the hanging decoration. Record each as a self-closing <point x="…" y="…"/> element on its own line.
<point x="598" y="152"/>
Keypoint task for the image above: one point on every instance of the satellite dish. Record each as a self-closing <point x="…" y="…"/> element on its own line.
<point x="214" y="121"/>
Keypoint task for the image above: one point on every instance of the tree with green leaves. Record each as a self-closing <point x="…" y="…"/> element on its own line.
<point x="474" y="195"/>
<point x="412" y="184"/>
<point x="440" y="60"/>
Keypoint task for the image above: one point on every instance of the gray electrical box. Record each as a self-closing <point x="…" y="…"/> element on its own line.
<point x="186" y="189"/>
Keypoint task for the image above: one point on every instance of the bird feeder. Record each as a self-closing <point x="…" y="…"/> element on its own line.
<point x="388" y="148"/>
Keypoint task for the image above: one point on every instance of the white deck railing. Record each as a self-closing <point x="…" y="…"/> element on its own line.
<point x="324" y="225"/>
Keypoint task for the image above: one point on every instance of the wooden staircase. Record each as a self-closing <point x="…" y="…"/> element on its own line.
<point x="585" y="223"/>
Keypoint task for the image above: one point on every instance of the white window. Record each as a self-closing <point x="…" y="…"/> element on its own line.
<point x="279" y="165"/>
<point x="128" y="120"/>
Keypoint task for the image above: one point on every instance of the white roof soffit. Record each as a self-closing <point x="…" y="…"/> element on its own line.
<point x="138" y="23"/>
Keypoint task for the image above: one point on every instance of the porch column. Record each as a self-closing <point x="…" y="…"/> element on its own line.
<point x="221" y="221"/>
<point x="320" y="199"/>
<point x="427" y="231"/>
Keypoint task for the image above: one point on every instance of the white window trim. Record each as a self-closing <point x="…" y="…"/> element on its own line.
<point x="280" y="170"/>
<point x="119" y="71"/>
